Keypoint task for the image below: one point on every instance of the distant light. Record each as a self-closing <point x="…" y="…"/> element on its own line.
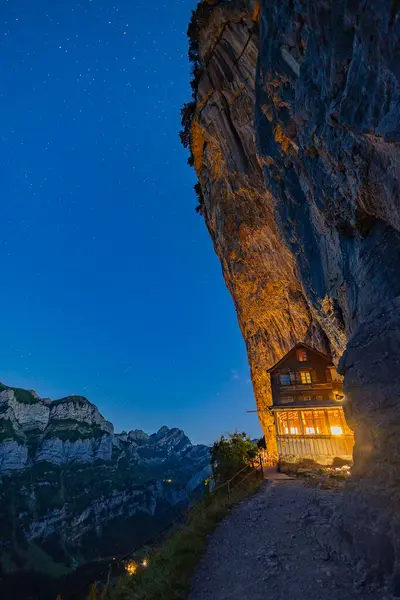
<point x="169" y="480"/>
<point x="336" y="430"/>
<point x="131" y="567"/>
<point x="145" y="562"/>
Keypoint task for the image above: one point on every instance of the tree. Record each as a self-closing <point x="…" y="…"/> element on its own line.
<point x="261" y="443"/>
<point x="229" y="455"/>
<point x="187" y="112"/>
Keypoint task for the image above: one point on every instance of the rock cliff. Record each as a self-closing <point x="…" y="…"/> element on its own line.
<point x="294" y="134"/>
<point x="72" y="490"/>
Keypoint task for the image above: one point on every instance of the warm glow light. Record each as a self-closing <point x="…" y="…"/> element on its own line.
<point x="292" y="430"/>
<point x="131" y="567"/>
<point x="145" y="562"/>
<point x="345" y="469"/>
<point x="336" y="430"/>
<point x="169" y="480"/>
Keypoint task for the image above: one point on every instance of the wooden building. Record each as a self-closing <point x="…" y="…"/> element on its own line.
<point x="307" y="397"/>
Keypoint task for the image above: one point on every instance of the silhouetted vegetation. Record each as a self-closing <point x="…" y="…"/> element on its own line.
<point x="229" y="455"/>
<point x="198" y="20"/>
<point x="200" y="197"/>
<point x="261" y="442"/>
<point x="187" y="112"/>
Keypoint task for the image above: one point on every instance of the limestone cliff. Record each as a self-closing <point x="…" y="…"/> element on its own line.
<point x="71" y="489"/>
<point x="294" y="135"/>
<point x="258" y="268"/>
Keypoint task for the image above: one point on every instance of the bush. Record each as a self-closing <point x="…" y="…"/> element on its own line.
<point x="229" y="455"/>
<point x="187" y="112"/>
<point x="198" y="20"/>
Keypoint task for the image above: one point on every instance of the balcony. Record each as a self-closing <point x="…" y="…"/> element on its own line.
<point x="303" y="387"/>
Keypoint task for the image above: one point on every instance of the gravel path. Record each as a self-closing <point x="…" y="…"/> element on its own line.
<point x="268" y="549"/>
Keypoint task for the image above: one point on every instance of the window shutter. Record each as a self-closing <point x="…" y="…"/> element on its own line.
<point x="314" y="376"/>
<point x="293" y="377"/>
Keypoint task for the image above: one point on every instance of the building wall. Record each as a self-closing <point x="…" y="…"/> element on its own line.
<point x="310" y="434"/>
<point x="322" y="450"/>
<point x="322" y="384"/>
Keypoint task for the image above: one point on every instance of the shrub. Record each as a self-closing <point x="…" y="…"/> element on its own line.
<point x="187" y="112"/>
<point x="198" y="20"/>
<point x="229" y="455"/>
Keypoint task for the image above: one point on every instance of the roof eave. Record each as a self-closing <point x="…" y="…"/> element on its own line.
<point x="298" y="345"/>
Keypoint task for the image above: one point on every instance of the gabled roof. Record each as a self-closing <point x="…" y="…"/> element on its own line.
<point x="299" y="345"/>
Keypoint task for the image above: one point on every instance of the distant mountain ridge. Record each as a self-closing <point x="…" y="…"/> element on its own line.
<point x="72" y="490"/>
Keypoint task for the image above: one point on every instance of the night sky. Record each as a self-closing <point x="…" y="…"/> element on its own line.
<point x="110" y="286"/>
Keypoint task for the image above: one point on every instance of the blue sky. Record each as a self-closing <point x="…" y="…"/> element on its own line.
<point x="111" y="288"/>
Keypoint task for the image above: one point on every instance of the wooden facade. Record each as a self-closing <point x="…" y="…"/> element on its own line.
<point x="307" y="396"/>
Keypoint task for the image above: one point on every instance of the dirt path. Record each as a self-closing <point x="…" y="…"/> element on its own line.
<point x="268" y="549"/>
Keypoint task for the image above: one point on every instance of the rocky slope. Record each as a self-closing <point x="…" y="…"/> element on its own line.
<point x="72" y="490"/>
<point x="294" y="135"/>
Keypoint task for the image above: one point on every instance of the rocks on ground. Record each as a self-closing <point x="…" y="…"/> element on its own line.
<point x="279" y="545"/>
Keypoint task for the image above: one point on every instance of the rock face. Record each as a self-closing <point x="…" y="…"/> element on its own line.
<point x="73" y="489"/>
<point x="258" y="268"/>
<point x="295" y="139"/>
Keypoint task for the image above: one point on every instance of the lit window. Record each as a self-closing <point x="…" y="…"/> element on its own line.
<point x="281" y="419"/>
<point x="336" y="430"/>
<point x="308" y="422"/>
<point x="293" y="423"/>
<point x="305" y="376"/>
<point x="285" y="379"/>
<point x="314" y="422"/>
<point x="288" y="423"/>
<point x="337" y="423"/>
<point x="320" y="422"/>
<point x="307" y="398"/>
<point x="302" y="355"/>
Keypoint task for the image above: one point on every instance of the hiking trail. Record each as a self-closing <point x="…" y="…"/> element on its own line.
<point x="272" y="547"/>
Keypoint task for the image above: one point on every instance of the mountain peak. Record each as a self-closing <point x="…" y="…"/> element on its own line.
<point x="75" y="479"/>
<point x="138" y="434"/>
<point x="163" y="429"/>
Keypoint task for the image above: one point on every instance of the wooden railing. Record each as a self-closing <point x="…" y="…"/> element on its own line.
<point x="298" y="386"/>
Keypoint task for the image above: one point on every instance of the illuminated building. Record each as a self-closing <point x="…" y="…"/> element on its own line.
<point x="308" y="398"/>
